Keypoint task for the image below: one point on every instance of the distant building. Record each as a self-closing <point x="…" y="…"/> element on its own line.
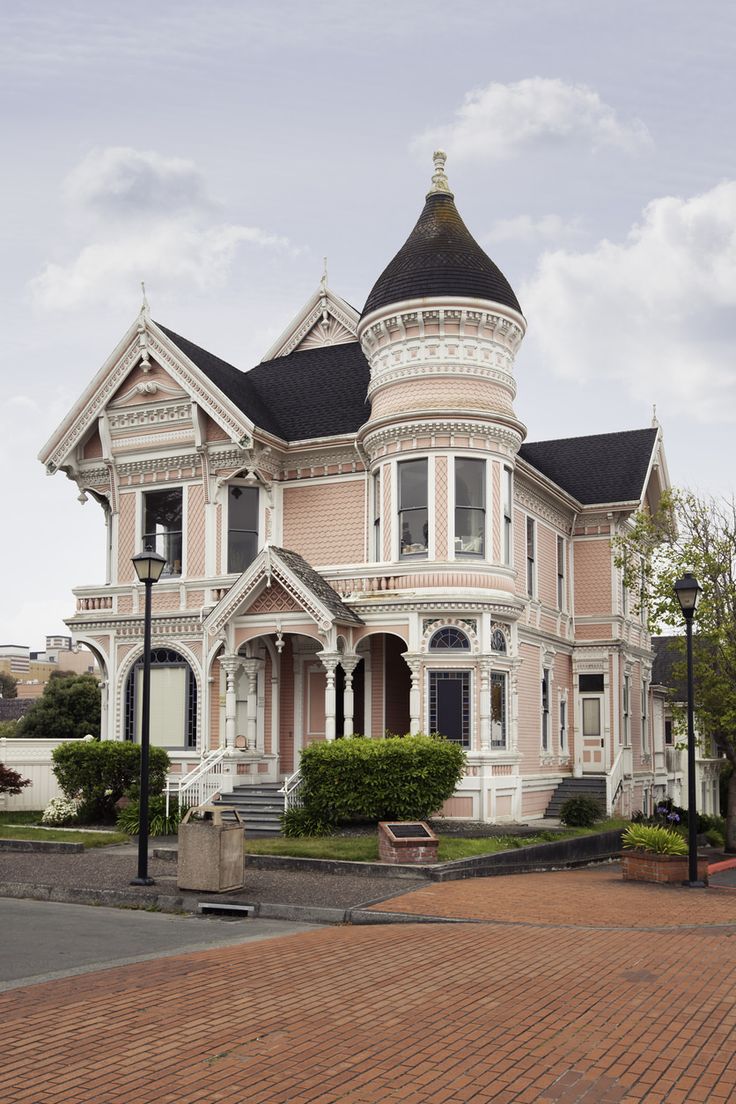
<point x="34" y="669"/>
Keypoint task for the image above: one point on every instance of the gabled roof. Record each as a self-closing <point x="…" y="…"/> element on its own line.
<point x="325" y="319"/>
<point x="601" y="468"/>
<point x="312" y="393"/>
<point x="311" y="591"/>
<point x="440" y="258"/>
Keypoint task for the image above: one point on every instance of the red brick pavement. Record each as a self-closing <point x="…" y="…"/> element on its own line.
<point x="417" y="1013"/>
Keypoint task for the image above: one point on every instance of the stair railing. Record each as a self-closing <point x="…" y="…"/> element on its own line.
<point x="291" y="791"/>
<point x="614" y="780"/>
<point x="202" y="784"/>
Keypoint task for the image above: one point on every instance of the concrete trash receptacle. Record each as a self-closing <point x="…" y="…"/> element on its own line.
<point x="211" y="854"/>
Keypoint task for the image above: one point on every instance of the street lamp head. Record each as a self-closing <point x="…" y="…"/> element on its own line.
<point x="148" y="566"/>
<point x="688" y="591"/>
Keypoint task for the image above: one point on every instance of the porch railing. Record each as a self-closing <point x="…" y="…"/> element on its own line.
<point x="614" y="780"/>
<point x="291" y="790"/>
<point x="201" y="784"/>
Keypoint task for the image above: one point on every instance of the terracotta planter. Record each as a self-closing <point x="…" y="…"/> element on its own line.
<point x="645" y="866"/>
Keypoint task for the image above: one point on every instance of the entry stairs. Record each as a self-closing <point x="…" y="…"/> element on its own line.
<point x="588" y="786"/>
<point x="260" y="807"/>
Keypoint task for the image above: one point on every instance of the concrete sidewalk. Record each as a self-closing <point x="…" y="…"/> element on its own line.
<point x="559" y="992"/>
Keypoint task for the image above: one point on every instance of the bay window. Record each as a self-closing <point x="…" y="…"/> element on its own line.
<point x="507" y="500"/>
<point x="162" y="529"/>
<point x="470" y="514"/>
<point x="413" y="511"/>
<point x="498" y="710"/>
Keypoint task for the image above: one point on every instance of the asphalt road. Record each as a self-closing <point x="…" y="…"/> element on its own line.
<point x="41" y="940"/>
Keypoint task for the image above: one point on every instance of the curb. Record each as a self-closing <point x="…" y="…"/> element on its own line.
<point x="114" y="898"/>
<point x="726" y="864"/>
<point x="41" y="845"/>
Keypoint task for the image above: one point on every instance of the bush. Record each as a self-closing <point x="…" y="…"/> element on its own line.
<point x="399" y="778"/>
<point x="60" y="810"/>
<point x="658" y="841"/>
<point x="68" y="709"/>
<point x="716" y="838"/>
<point x="581" y="812"/>
<point x="11" y="782"/>
<point x="99" y="772"/>
<point x="296" y="823"/>
<point x="159" y="824"/>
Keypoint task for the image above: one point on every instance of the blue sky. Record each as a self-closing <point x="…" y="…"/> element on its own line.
<point x="220" y="152"/>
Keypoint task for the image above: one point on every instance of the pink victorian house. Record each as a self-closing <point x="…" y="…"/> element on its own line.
<point x="360" y="540"/>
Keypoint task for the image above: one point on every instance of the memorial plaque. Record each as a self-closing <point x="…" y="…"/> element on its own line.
<point x="409" y="831"/>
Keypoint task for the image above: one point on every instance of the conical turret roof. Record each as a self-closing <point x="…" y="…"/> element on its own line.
<point x="440" y="258"/>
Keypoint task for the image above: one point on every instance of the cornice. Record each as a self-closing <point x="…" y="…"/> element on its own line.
<point x="492" y="315"/>
<point x="373" y="435"/>
<point x="528" y="500"/>
<point x="504" y="610"/>
<point x="420" y="369"/>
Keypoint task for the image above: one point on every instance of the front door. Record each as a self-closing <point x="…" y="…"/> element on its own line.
<point x="592" y="735"/>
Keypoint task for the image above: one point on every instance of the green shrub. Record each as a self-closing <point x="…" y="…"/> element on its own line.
<point x="658" y="841"/>
<point x="99" y="772"/>
<point x="716" y="838"/>
<point x="159" y="824"/>
<point x="301" y="822"/>
<point x="581" y="812"/>
<point x="398" y="778"/>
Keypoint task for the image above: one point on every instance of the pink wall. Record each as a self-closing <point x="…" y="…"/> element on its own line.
<point x="592" y="577"/>
<point x="530" y="728"/>
<point x="326" y="523"/>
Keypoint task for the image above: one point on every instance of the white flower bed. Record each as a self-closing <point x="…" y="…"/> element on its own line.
<point x="60" y="810"/>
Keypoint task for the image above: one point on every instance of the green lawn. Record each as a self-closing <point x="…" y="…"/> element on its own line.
<point x="365" y="848"/>
<point x="21" y="816"/>
<point x="59" y="835"/>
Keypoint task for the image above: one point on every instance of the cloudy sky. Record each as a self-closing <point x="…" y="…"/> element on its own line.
<point x="220" y="151"/>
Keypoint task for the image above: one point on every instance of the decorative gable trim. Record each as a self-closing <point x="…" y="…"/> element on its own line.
<point x="325" y="319"/>
<point x="268" y="567"/>
<point x="143" y="339"/>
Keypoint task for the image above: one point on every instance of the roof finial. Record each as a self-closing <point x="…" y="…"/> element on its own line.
<point x="323" y="281"/>
<point x="655" y="420"/>
<point x="439" y="179"/>
<point x="145" y="309"/>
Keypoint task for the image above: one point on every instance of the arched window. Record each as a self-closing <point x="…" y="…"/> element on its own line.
<point x="498" y="641"/>
<point x="173" y="700"/>
<point x="449" y="639"/>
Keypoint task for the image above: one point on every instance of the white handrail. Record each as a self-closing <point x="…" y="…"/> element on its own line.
<point x="614" y="780"/>
<point x="290" y="790"/>
<point x="204" y="782"/>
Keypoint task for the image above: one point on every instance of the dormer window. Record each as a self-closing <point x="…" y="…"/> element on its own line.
<point x="162" y="514"/>
<point x="242" y="527"/>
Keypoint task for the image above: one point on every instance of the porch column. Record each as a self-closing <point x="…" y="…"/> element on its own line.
<point x="330" y="661"/>
<point x="251" y="667"/>
<point x="413" y="662"/>
<point x="230" y="665"/>
<point x="348" y="664"/>
<point x="485" y="705"/>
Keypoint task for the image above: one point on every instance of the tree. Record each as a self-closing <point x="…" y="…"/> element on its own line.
<point x="8" y="685"/>
<point x="689" y="533"/>
<point x="68" y="709"/>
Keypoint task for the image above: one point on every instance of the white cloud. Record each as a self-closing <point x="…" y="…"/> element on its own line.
<point x="144" y="216"/>
<point x="502" y="120"/>
<point x="525" y="228"/>
<point x="654" y="313"/>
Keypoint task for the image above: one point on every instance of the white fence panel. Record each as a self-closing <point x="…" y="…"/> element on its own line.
<point x="32" y="759"/>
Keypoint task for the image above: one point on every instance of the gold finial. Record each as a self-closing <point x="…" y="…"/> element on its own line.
<point x="439" y="178"/>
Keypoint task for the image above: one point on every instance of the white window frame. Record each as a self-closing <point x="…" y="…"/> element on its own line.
<point x="483" y="554"/>
<point x="225" y="532"/>
<point x="531" y="561"/>
<point x="626" y="711"/>
<point x="377" y="490"/>
<point x="507" y="515"/>
<point x="545" y="691"/>
<point x="561" y="572"/>
<point x="429" y="553"/>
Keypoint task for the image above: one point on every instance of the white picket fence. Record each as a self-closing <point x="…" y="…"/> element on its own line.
<point x="32" y="759"/>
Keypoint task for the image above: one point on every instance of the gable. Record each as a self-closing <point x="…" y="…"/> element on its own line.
<point x="324" y="320"/>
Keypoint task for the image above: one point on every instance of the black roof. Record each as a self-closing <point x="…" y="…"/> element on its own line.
<point x="604" y="467"/>
<point x="318" y="585"/>
<point x="12" y="709"/>
<point x="313" y="393"/>
<point x="440" y="257"/>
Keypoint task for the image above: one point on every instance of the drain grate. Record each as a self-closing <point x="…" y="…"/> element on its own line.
<point x="226" y="908"/>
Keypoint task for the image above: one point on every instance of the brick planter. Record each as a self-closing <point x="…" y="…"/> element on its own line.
<point x="645" y="866"/>
<point x="398" y="844"/>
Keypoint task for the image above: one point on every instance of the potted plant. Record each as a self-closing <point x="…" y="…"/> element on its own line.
<point x="655" y="854"/>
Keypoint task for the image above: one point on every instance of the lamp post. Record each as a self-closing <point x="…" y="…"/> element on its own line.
<point x="688" y="591"/>
<point x="148" y="567"/>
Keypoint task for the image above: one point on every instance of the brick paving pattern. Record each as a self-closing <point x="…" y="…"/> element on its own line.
<point x="520" y="1011"/>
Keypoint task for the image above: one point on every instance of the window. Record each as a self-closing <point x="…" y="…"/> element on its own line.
<point x="162" y="513"/>
<point x="560" y="572"/>
<point x="563" y="724"/>
<point x="530" y="555"/>
<point x="545" y="710"/>
<point x="377" y="550"/>
<point x="449" y="705"/>
<point x="449" y="637"/>
<point x="590" y="684"/>
<point x="591" y="716"/>
<point x="498" y="710"/>
<point x="644" y="717"/>
<point x="498" y="641"/>
<point x="668" y="733"/>
<point x="470" y="514"/>
<point x="242" y="527"/>
<point x="413" y="513"/>
<point x="507" y="500"/>
<point x="173" y="701"/>
<point x="627" y="698"/>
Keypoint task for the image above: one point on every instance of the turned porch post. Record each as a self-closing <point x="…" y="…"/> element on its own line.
<point x="230" y="665"/>
<point x="330" y="661"/>
<point x="348" y="664"/>
<point x="414" y="665"/>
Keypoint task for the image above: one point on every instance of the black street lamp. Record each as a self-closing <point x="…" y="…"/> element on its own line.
<point x="148" y="567"/>
<point x="688" y="592"/>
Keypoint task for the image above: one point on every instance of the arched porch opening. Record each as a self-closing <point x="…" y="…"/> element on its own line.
<point x="387" y="683"/>
<point x="174" y="701"/>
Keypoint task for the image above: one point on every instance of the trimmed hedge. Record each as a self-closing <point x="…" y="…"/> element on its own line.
<point x="399" y="778"/>
<point x="581" y="812"/>
<point x="100" y="772"/>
